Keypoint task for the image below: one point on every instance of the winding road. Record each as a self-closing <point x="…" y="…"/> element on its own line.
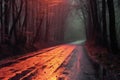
<point x="62" y="62"/>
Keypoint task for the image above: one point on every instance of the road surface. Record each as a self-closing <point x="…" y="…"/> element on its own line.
<point x="63" y="62"/>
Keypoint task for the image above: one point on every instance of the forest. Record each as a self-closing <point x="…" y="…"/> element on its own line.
<point x="31" y="25"/>
<point x="23" y="23"/>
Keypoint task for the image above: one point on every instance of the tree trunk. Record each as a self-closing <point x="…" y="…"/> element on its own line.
<point x="112" y="28"/>
<point x="94" y="30"/>
<point x="104" y="24"/>
<point x="1" y="20"/>
<point x="6" y="20"/>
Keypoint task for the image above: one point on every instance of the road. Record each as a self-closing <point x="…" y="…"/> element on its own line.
<point x="62" y="62"/>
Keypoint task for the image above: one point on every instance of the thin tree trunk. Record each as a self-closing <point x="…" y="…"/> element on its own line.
<point x="104" y="24"/>
<point x="47" y="24"/>
<point x="1" y="20"/>
<point x="6" y="20"/>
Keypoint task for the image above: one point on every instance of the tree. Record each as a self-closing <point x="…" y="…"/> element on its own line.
<point x="112" y="27"/>
<point x="104" y="24"/>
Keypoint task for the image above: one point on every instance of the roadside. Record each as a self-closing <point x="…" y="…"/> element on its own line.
<point x="13" y="51"/>
<point x="110" y="64"/>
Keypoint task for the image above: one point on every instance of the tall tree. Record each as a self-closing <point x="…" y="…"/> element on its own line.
<point x="94" y="30"/>
<point x="104" y="24"/>
<point x="112" y="27"/>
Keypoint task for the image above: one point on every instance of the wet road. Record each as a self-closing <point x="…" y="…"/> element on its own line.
<point x="63" y="62"/>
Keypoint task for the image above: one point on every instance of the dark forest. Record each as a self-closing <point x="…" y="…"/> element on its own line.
<point x="59" y="39"/>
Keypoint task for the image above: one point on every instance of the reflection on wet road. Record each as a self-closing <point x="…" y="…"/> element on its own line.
<point x="64" y="62"/>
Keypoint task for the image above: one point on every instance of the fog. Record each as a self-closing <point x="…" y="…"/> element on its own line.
<point x="75" y="29"/>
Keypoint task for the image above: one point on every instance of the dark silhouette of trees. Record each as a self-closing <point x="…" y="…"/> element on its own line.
<point x="100" y="23"/>
<point x="112" y="27"/>
<point x="27" y="23"/>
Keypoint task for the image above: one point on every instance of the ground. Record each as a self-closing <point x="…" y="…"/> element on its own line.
<point x="71" y="61"/>
<point x="109" y="61"/>
<point x="62" y="62"/>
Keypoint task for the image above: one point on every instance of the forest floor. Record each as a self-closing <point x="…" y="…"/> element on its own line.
<point x="110" y="62"/>
<point x="14" y="51"/>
